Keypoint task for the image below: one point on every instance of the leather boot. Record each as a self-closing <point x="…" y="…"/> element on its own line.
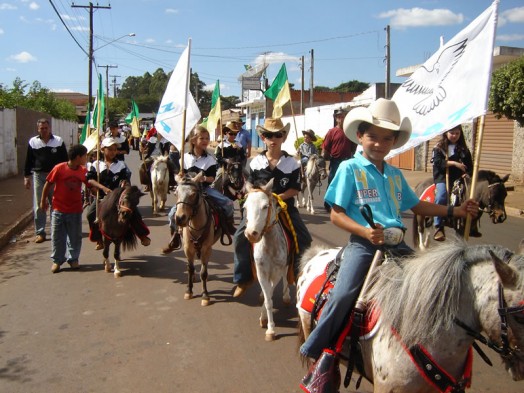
<point x="174" y="243"/>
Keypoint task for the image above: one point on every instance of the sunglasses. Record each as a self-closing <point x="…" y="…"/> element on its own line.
<point x="271" y="135"/>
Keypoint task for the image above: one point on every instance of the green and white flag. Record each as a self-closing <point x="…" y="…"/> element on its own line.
<point x="279" y="92"/>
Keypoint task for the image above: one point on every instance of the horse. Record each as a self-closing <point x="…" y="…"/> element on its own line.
<point x="314" y="173"/>
<point x="114" y="216"/>
<point x="432" y="308"/>
<point x="490" y="192"/>
<point x="195" y="216"/>
<point x="159" y="183"/>
<point x="270" y="251"/>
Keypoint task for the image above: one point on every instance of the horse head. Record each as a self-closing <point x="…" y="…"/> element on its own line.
<point x="128" y="202"/>
<point x="494" y="197"/>
<point x="235" y="174"/>
<point x="321" y="164"/>
<point x="260" y="210"/>
<point x="189" y="197"/>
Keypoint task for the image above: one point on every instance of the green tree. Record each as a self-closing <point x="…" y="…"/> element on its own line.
<point x="351" y="87"/>
<point x="506" y="96"/>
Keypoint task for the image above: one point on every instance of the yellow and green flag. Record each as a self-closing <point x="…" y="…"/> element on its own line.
<point x="133" y="119"/>
<point x="279" y="92"/>
<point x="215" y="114"/>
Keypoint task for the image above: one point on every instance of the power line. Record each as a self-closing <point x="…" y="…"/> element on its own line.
<point x="67" y="28"/>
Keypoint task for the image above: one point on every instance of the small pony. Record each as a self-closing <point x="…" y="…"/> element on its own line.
<point x="115" y="215"/>
<point x="270" y="249"/>
<point x="159" y="183"/>
<point x="490" y="192"/>
<point x="314" y="174"/>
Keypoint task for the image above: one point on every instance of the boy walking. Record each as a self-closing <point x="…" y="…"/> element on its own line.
<point x="66" y="216"/>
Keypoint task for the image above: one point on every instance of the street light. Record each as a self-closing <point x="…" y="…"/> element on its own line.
<point x="116" y="39"/>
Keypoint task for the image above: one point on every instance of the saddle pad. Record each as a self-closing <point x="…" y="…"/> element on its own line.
<point x="429" y="194"/>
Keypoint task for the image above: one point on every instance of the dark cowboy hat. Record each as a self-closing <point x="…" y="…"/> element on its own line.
<point x="273" y="125"/>
<point x="311" y="134"/>
<point x="339" y="111"/>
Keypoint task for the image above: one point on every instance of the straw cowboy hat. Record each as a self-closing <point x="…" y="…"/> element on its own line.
<point x="227" y="130"/>
<point x="381" y="113"/>
<point x="273" y="125"/>
<point x="234" y="125"/>
<point x="107" y="142"/>
<point x="311" y="134"/>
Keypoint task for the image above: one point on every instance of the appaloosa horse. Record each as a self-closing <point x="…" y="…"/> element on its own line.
<point x="270" y="251"/>
<point x="490" y="192"/>
<point x="432" y="308"/>
<point x="195" y="216"/>
<point x="159" y="183"/>
<point x="314" y="173"/>
<point x="114" y="219"/>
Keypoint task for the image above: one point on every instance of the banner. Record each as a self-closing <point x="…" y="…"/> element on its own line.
<point x="177" y="98"/>
<point x="452" y="87"/>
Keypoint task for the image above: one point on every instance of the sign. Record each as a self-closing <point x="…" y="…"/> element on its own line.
<point x="251" y="83"/>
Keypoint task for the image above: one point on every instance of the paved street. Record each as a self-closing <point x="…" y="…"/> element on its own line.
<point x="86" y="331"/>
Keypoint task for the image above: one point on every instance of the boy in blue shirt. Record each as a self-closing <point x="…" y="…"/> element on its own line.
<point x="368" y="179"/>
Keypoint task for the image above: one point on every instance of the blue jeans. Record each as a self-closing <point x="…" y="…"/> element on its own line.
<point x="242" y="247"/>
<point x="218" y="198"/>
<point x="353" y="270"/>
<point x="40" y="215"/>
<point x="441" y="198"/>
<point x="66" y="236"/>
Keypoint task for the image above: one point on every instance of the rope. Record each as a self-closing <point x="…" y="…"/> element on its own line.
<point x="283" y="207"/>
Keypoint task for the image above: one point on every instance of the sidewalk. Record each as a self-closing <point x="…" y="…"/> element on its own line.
<point x="16" y="204"/>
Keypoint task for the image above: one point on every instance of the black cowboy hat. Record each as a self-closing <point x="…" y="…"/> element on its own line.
<point x="311" y="134"/>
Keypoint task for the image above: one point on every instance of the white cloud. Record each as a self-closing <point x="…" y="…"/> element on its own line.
<point x="34" y="6"/>
<point x="22" y="57"/>
<point x="7" y="6"/>
<point x="79" y="28"/>
<point x="1" y="31"/>
<point x="420" y="17"/>
<point x="150" y="41"/>
<point x="274" y="57"/>
<point x="510" y="37"/>
<point x="72" y="18"/>
<point x="62" y="91"/>
<point x="514" y="15"/>
<point x="171" y="11"/>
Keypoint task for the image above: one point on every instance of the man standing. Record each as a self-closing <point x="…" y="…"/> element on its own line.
<point x="336" y="146"/>
<point x="243" y="137"/>
<point x="44" y="151"/>
<point x="121" y="139"/>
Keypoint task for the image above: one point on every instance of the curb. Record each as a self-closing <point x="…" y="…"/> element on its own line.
<point x="16" y="228"/>
<point x="514" y="212"/>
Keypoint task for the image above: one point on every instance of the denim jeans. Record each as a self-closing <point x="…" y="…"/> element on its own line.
<point x="353" y="270"/>
<point x="40" y="215"/>
<point x="441" y="198"/>
<point x="66" y="236"/>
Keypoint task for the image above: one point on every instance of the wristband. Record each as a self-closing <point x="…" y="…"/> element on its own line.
<point x="450" y="211"/>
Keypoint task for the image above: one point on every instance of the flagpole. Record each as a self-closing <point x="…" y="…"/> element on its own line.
<point x="475" y="174"/>
<point x="296" y="132"/>
<point x="97" y="149"/>
<point x="184" y="113"/>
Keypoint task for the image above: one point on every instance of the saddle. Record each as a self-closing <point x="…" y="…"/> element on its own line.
<point x="219" y="221"/>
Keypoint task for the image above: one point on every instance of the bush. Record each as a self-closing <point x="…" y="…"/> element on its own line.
<point x="317" y="143"/>
<point x="506" y="96"/>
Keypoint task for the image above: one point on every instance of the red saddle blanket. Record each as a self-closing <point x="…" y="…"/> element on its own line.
<point x="429" y="194"/>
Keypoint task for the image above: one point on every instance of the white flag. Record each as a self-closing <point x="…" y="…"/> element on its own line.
<point x="452" y="87"/>
<point x="176" y="97"/>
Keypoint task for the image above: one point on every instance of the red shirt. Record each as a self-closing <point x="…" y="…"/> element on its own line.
<point x="338" y="145"/>
<point x="67" y="197"/>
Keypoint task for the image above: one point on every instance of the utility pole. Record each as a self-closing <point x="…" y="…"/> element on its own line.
<point x="91" y="51"/>
<point x="114" y="83"/>
<point x="107" y="67"/>
<point x="311" y="87"/>
<point x="387" y="92"/>
<point x="302" y="88"/>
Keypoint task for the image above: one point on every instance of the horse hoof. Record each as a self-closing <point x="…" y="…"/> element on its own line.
<point x="107" y="269"/>
<point x="263" y="323"/>
<point x="188" y="296"/>
<point x="205" y="302"/>
<point x="117" y="274"/>
<point x="270" y="337"/>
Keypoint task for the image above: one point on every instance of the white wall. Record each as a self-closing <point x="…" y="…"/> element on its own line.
<point x="8" y="161"/>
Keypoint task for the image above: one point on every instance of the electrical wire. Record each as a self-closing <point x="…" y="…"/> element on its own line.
<point x="67" y="28"/>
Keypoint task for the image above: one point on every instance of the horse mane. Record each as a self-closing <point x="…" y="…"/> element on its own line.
<point x="420" y="296"/>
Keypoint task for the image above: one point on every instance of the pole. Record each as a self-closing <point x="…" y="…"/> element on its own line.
<point x="184" y="113"/>
<point x="107" y="67"/>
<point x="114" y="84"/>
<point x="387" y="92"/>
<point x="311" y="88"/>
<point x="476" y="163"/>
<point x="302" y="88"/>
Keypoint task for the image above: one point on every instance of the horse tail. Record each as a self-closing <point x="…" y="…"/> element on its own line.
<point x="414" y="224"/>
<point x="129" y="241"/>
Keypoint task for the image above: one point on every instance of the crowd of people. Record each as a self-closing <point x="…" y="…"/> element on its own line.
<point x="355" y="179"/>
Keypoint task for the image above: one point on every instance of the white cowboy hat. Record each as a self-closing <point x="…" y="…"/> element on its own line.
<point x="381" y="113"/>
<point x="273" y="125"/>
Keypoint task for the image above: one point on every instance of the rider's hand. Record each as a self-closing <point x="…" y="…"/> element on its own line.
<point x="375" y="236"/>
<point x="470" y="206"/>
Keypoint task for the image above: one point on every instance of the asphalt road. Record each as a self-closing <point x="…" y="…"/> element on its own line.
<point x="86" y="331"/>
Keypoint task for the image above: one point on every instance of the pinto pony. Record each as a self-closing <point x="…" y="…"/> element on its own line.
<point x="159" y="183"/>
<point x="115" y="213"/>
<point x="490" y="192"/>
<point x="315" y="172"/>
<point x="432" y="309"/>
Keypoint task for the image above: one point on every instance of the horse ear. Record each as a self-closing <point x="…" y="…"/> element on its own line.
<point x="249" y="186"/>
<point x="179" y="179"/>
<point x="508" y="276"/>
<point x="269" y="186"/>
<point x="505" y="179"/>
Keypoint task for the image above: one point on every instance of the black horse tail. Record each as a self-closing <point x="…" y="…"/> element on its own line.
<point x="129" y="241"/>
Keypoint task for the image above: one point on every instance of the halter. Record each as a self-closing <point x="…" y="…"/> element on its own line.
<point x="195" y="205"/>
<point x="268" y="225"/>
<point x="121" y="206"/>
<point x="491" y="202"/>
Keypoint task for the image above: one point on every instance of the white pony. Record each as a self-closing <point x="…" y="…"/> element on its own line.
<point x="159" y="183"/>
<point x="315" y="172"/>
<point x="270" y="251"/>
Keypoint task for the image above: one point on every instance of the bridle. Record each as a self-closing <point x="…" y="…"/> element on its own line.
<point x="268" y="224"/>
<point x="195" y="205"/>
<point x="121" y="207"/>
<point x="491" y="202"/>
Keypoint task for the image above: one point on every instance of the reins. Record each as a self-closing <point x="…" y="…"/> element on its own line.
<point x="268" y="225"/>
<point x="121" y="206"/>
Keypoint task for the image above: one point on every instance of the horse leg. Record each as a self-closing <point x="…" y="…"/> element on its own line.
<point x="190" y="274"/>
<point x="204" y="274"/>
<point x="105" y="253"/>
<point x="286" y="297"/>
<point x="117" y="273"/>
<point x="266" y="313"/>
<point x="311" y="188"/>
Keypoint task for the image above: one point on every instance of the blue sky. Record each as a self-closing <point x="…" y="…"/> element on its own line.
<point x="348" y="37"/>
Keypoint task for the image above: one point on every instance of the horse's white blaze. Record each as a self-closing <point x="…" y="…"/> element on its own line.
<point x="159" y="183"/>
